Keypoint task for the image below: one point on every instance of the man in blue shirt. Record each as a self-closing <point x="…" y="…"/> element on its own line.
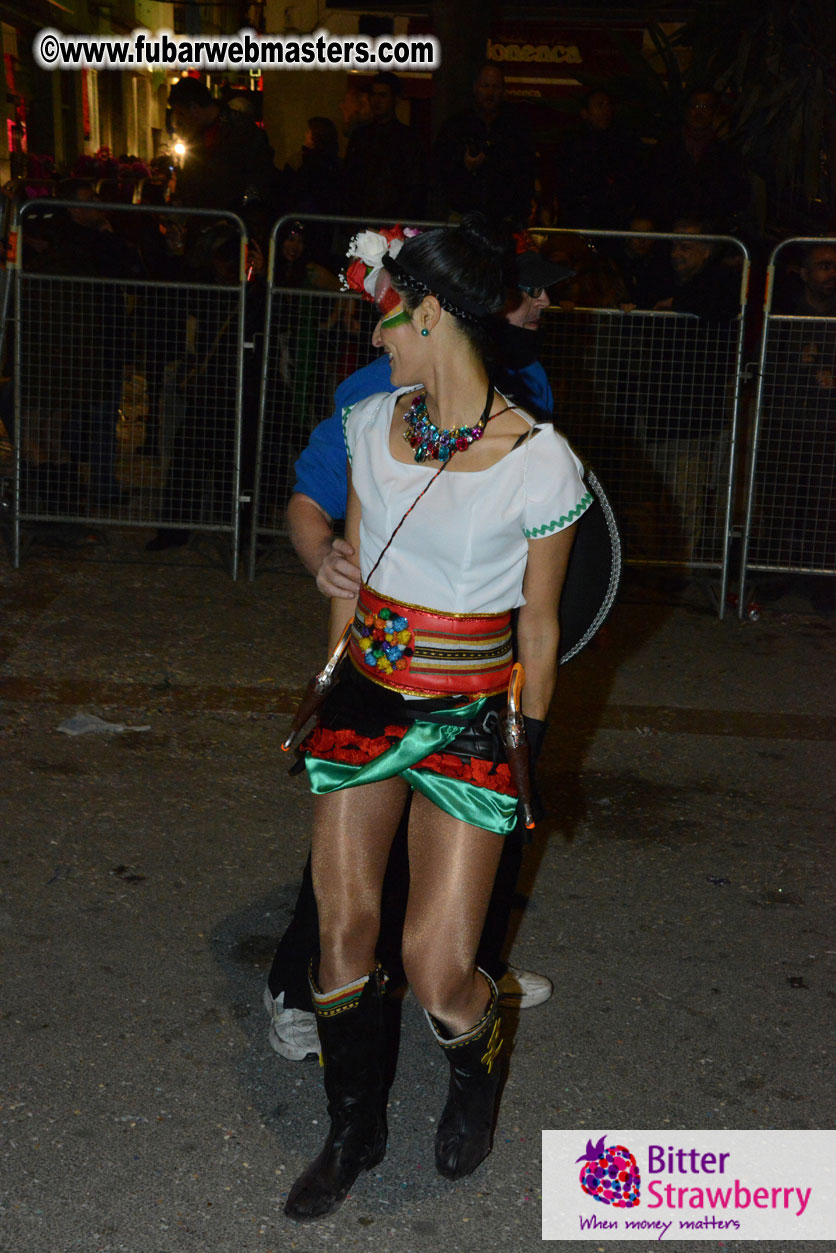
<point x="319" y="497"/>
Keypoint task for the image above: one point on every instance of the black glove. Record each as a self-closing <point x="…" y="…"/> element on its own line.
<point x="535" y="733"/>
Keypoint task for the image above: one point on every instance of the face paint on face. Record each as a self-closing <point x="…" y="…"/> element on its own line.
<point x="398" y="317"/>
<point x="391" y="306"/>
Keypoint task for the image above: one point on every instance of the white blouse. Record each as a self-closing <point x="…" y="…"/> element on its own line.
<point x="463" y="549"/>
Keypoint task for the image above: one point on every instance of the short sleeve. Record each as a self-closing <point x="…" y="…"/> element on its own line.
<point x="555" y="493"/>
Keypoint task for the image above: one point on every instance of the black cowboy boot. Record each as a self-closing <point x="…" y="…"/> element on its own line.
<point x="463" y="1138"/>
<point x="351" y="1036"/>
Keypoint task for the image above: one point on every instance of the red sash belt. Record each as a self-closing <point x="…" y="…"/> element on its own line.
<point x="418" y="651"/>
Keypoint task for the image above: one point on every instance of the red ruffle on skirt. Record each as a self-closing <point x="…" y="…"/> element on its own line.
<point x="471" y="770"/>
<point x="354" y="749"/>
<point x="349" y="746"/>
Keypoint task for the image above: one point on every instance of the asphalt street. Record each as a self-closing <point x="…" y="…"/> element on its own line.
<point x="680" y="896"/>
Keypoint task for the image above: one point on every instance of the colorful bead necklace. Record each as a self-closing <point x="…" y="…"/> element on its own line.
<point x="431" y="444"/>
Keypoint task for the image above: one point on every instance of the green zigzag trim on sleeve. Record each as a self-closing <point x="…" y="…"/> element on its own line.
<point x="346" y="412"/>
<point x="557" y="524"/>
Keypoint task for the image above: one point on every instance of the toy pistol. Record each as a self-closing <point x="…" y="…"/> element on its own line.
<point x="316" y="691"/>
<point x="512" y="733"/>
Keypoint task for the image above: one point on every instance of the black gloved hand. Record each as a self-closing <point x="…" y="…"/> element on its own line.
<point x="535" y="733"/>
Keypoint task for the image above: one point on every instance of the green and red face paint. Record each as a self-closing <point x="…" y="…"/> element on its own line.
<point x="392" y="310"/>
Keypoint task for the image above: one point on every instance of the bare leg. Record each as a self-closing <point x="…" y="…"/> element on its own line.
<point x="353" y="832"/>
<point x="452" y="867"/>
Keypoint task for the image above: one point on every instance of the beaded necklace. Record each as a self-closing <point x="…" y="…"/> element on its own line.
<point x="430" y="443"/>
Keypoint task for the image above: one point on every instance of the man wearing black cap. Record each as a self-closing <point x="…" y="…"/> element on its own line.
<point x="319" y="497"/>
<point x="518" y="348"/>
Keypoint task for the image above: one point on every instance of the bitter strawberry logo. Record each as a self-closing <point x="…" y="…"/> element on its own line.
<point x="610" y="1175"/>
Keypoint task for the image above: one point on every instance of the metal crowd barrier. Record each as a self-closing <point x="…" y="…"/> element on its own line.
<point x="128" y="392"/>
<point x="109" y="369"/>
<point x="8" y="249"/>
<point x="314" y="338"/>
<point x="651" y="398"/>
<point x="790" y="525"/>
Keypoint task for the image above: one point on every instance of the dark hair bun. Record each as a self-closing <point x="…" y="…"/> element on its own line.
<point x="464" y="266"/>
<point x="485" y="236"/>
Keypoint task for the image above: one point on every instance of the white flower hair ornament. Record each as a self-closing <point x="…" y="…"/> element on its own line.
<point x="365" y="254"/>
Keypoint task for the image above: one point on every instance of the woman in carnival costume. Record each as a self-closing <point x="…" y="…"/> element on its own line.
<point x="461" y="509"/>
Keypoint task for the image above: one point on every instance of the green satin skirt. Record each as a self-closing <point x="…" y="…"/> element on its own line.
<point x="481" y="807"/>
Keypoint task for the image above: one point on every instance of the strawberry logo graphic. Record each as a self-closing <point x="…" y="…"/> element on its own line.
<point x="610" y="1175"/>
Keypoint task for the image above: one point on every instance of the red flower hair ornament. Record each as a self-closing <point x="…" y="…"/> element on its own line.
<point x="365" y="254"/>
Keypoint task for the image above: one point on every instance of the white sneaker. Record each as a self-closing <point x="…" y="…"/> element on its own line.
<point x="522" y="989"/>
<point x="293" y="1032"/>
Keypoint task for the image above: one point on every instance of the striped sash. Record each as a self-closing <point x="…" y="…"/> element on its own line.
<point x="418" y="651"/>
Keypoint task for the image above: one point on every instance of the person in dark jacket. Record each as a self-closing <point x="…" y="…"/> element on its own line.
<point x="229" y="161"/>
<point x="315" y="184"/>
<point x="644" y="264"/>
<point x="597" y="168"/>
<point x="697" y="172"/>
<point x="703" y="284"/>
<point x="384" y="170"/>
<point x="483" y="157"/>
<point x="316" y="181"/>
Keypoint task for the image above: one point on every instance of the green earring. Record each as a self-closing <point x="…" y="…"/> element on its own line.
<point x="424" y="330"/>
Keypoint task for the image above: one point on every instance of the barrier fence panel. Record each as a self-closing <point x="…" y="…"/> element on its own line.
<point x="8" y="252"/>
<point x="127" y="390"/>
<point x="315" y="337"/>
<point x="791" y="502"/>
<point x="313" y="340"/>
<point x="651" y="397"/>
